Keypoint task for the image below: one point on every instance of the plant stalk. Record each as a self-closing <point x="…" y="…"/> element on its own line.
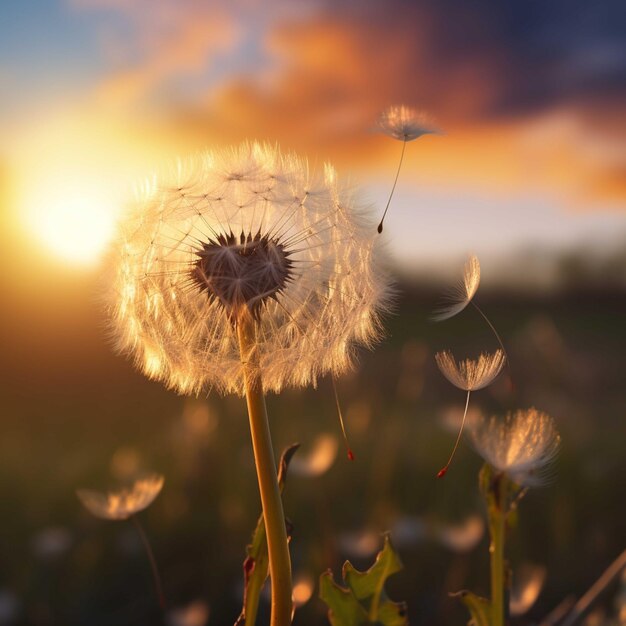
<point x="277" y="544"/>
<point x="497" y="525"/>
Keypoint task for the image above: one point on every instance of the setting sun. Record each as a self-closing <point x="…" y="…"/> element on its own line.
<point x="73" y="221"/>
<point x="68" y="195"/>
<point x="76" y="227"/>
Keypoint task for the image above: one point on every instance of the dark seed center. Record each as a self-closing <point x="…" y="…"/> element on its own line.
<point x="241" y="271"/>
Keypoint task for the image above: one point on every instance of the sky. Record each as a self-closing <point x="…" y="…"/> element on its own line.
<point x="98" y="93"/>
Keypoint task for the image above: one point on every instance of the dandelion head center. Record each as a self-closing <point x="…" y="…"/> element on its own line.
<point x="241" y="272"/>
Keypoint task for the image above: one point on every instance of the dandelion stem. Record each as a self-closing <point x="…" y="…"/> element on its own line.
<point x="497" y="525"/>
<point x="442" y="472"/>
<point x="277" y="544"/>
<point x="153" y="565"/>
<point x="380" y="226"/>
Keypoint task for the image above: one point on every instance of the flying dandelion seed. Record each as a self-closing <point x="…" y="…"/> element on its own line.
<point x="404" y="124"/>
<point x="246" y="229"/>
<point x="125" y="504"/>
<point x="469" y="375"/>
<point x="523" y="445"/>
<point x="462" y="294"/>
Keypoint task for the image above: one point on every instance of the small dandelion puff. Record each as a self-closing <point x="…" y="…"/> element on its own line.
<point x="123" y="503"/>
<point x="462" y="293"/>
<point x="469" y="375"/>
<point x="523" y="445"/>
<point x="404" y="124"/>
<point x="245" y="232"/>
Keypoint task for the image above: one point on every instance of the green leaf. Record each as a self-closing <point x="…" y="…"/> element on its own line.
<point x="364" y="601"/>
<point x="479" y="608"/>
<point x="256" y="563"/>
<point x="344" y="608"/>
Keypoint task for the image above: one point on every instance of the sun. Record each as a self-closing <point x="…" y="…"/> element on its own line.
<point x="73" y="221"/>
<point x="72" y="174"/>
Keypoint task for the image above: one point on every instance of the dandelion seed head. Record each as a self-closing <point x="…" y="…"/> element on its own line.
<point x="523" y="444"/>
<point x="470" y="374"/>
<point x="406" y="124"/>
<point x="462" y="293"/>
<point x="122" y="504"/>
<point x="245" y="231"/>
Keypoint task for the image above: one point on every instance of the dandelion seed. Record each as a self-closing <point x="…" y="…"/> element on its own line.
<point x="319" y="460"/>
<point x="125" y="504"/>
<point x="463" y="294"/>
<point x="469" y="375"/>
<point x="523" y="445"/>
<point x="247" y="230"/>
<point x="528" y="581"/>
<point x="122" y="504"/>
<point x="404" y="124"/>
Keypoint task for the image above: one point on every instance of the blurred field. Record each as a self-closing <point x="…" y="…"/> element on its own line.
<point x="91" y="419"/>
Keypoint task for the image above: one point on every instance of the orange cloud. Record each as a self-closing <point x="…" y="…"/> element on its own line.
<point x="320" y="81"/>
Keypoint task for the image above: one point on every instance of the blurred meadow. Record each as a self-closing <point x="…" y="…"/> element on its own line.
<point x="528" y="175"/>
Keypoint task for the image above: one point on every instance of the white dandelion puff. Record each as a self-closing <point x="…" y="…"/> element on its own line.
<point x="245" y="231"/>
<point x="469" y="375"/>
<point x="404" y="124"/>
<point x="245" y="272"/>
<point x="523" y="445"/>
<point x="123" y="503"/>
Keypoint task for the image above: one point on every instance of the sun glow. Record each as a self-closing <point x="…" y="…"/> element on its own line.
<point x="75" y="224"/>
<point x="73" y="174"/>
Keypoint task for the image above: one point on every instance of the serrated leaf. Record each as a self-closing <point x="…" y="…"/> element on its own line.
<point x="256" y="564"/>
<point x="370" y="584"/>
<point x="365" y="590"/>
<point x="344" y="608"/>
<point x="393" y="613"/>
<point x="479" y="608"/>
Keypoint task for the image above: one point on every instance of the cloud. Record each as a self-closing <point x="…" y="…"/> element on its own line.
<point x="528" y="94"/>
<point x="152" y="47"/>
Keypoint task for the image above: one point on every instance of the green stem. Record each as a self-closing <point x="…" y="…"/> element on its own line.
<point x="497" y="522"/>
<point x="277" y="544"/>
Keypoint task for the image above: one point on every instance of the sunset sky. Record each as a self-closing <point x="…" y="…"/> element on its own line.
<point x="97" y="93"/>
<point x="528" y="174"/>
